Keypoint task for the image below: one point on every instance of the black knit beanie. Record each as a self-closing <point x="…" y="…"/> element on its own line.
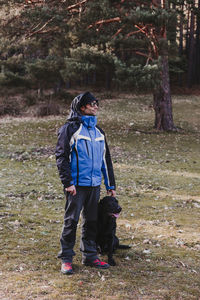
<point x="87" y="98"/>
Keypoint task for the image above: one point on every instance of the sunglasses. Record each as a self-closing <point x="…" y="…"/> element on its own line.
<point x="93" y="103"/>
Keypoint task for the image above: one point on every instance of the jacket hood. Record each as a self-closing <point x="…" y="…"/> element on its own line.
<point x="78" y="101"/>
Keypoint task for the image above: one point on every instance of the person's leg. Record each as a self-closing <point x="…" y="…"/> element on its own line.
<point x="89" y="224"/>
<point x="68" y="237"/>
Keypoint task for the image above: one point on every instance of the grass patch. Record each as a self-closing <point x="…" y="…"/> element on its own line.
<point x="158" y="188"/>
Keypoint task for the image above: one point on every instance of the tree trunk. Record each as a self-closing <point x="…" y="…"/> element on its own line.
<point x="162" y="100"/>
<point x="162" y="94"/>
<point x="187" y="31"/>
<point x="40" y="91"/>
<point x="180" y="47"/>
<point x="197" y="48"/>
<point x="191" y="57"/>
<point x="108" y="79"/>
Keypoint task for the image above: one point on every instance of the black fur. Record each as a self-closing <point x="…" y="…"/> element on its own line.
<point x="107" y="241"/>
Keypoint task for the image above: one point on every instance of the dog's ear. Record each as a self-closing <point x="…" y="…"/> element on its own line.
<point x="101" y="204"/>
<point x="104" y="200"/>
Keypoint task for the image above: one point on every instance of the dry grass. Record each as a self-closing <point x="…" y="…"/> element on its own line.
<point x="158" y="187"/>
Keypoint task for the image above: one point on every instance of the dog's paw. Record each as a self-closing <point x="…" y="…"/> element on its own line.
<point x="111" y="262"/>
<point x="123" y="246"/>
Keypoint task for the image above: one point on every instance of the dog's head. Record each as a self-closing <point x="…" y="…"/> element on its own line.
<point x="109" y="205"/>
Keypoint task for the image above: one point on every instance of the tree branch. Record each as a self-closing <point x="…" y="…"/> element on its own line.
<point x="49" y="30"/>
<point x="141" y="29"/>
<point x="40" y="30"/>
<point x="34" y="28"/>
<point x="134" y="32"/>
<point x="40" y="2"/>
<point x="101" y="22"/>
<point x="145" y="55"/>
<point x="77" y="4"/>
<point x="118" y="32"/>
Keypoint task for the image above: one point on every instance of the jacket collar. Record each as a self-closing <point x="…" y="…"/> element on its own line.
<point x="89" y="121"/>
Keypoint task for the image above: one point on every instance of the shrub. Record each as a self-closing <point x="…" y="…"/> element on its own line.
<point x="47" y="109"/>
<point x="65" y="96"/>
<point x="30" y="100"/>
<point x="10" y="79"/>
<point x="9" y="106"/>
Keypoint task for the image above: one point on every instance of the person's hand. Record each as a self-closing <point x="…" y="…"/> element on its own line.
<point x="111" y="193"/>
<point x="71" y="189"/>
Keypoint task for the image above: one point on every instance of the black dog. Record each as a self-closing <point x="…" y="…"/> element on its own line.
<point x="107" y="242"/>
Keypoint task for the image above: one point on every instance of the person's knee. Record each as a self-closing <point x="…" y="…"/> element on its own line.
<point x="89" y="230"/>
<point x="69" y="229"/>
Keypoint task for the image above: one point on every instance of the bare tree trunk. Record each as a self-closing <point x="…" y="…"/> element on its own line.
<point x="197" y="48"/>
<point x="108" y="79"/>
<point x="40" y="91"/>
<point x="162" y="94"/>
<point x="180" y="48"/>
<point x="187" y="30"/>
<point x="162" y="100"/>
<point x="191" y="53"/>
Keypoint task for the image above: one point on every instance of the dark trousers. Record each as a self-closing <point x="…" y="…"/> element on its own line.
<point x="86" y="199"/>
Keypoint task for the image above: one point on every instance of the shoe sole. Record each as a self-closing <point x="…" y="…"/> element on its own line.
<point x="67" y="272"/>
<point x="97" y="267"/>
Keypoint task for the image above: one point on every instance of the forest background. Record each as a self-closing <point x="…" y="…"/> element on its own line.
<point x="117" y="45"/>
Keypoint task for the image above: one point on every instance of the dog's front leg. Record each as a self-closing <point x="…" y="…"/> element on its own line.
<point x="111" y="260"/>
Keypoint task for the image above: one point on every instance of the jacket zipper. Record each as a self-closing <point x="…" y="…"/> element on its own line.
<point x="92" y="143"/>
<point x="87" y="147"/>
<point x="77" y="166"/>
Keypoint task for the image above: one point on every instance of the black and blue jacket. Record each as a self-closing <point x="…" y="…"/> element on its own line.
<point x="82" y="153"/>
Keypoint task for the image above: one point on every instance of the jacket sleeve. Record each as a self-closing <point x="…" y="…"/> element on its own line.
<point x="63" y="156"/>
<point x="107" y="169"/>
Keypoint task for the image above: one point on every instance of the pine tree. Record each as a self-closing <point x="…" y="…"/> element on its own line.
<point x="138" y="35"/>
<point x="35" y="37"/>
<point x="112" y="43"/>
<point x="88" y="64"/>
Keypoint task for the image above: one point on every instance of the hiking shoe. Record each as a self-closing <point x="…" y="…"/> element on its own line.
<point x="66" y="268"/>
<point x="96" y="263"/>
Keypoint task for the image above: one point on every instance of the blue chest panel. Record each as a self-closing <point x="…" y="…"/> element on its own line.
<point x="87" y="153"/>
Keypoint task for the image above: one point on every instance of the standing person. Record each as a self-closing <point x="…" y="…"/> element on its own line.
<point x="82" y="156"/>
